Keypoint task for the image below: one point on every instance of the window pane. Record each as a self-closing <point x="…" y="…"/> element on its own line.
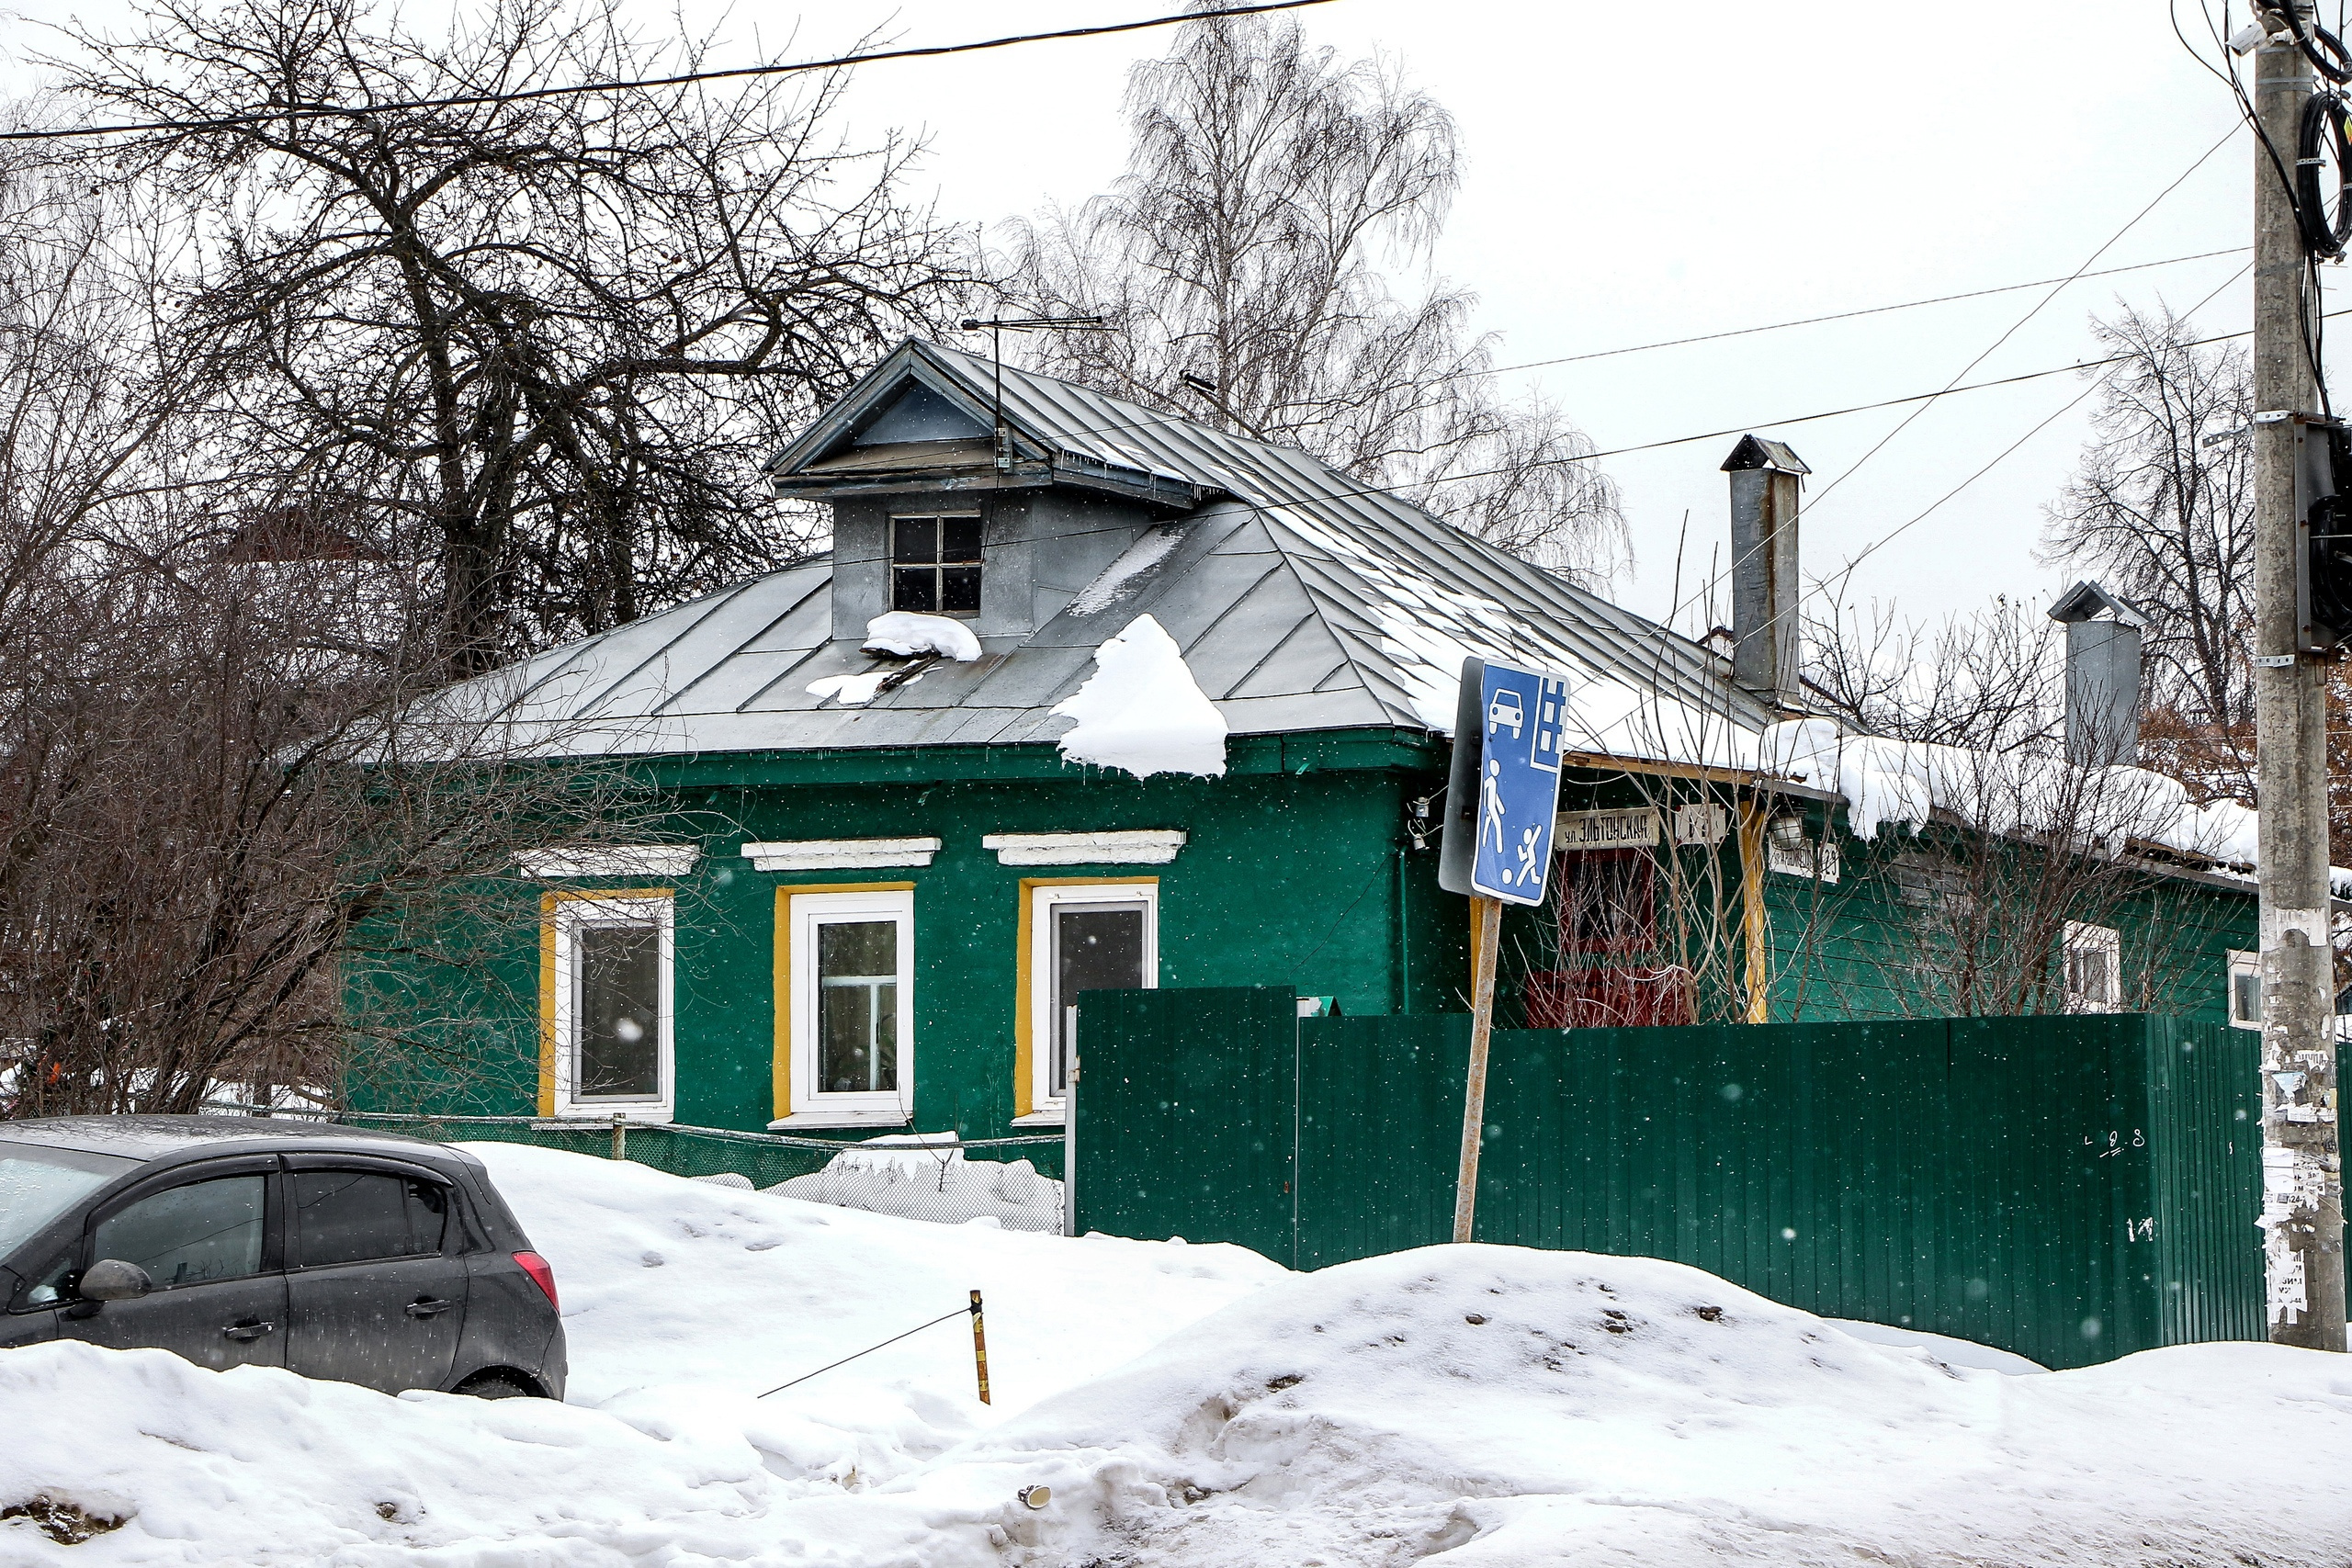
<point x="207" y="1230"/>
<point x="916" y="588"/>
<point x="1095" y="948"/>
<point x="914" y="539"/>
<point x="38" y="1184"/>
<point x="959" y="590"/>
<point x="619" y="1012"/>
<point x="959" y="538"/>
<point x="857" y="1006"/>
<point x="2246" y="996"/>
<point x="349" y="1216"/>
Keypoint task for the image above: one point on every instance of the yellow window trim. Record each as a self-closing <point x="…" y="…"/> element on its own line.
<point x="548" y="904"/>
<point x="1023" y="1045"/>
<point x="780" y="1064"/>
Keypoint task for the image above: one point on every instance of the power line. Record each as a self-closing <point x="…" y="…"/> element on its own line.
<point x="2132" y="222"/>
<point x="1843" y="315"/>
<point x="332" y="111"/>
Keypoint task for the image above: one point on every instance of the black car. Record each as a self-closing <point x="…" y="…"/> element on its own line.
<point x="248" y="1241"/>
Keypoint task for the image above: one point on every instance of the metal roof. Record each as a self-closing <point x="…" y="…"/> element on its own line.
<point x="1302" y="600"/>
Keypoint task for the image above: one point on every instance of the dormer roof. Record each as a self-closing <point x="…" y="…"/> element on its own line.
<point x="925" y="418"/>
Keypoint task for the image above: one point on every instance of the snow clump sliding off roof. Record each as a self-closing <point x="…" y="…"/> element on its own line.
<point x="908" y="635"/>
<point x="1908" y="781"/>
<point x="1141" y="710"/>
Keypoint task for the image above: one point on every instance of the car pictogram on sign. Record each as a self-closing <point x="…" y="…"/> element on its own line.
<point x="1506" y="712"/>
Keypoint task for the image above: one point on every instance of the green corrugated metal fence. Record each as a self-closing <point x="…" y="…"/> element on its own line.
<point x="2071" y="1189"/>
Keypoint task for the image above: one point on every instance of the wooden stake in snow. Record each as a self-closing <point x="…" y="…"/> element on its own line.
<point x="1485" y="936"/>
<point x="979" y="1348"/>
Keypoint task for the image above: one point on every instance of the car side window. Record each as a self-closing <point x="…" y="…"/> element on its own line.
<point x="352" y="1216"/>
<point x="187" y="1235"/>
<point x="51" y="1288"/>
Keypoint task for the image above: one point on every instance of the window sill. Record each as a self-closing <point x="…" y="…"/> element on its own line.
<point x="1052" y="1117"/>
<point x="839" y="1119"/>
<point x="601" y="1116"/>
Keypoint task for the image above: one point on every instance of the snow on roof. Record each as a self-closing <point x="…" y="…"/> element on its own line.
<point x="1903" y="781"/>
<point x="1299" y="599"/>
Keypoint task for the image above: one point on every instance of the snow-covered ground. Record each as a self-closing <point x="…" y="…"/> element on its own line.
<point x="1187" y="1406"/>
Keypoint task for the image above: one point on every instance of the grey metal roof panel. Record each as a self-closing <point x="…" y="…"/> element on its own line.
<point x="1308" y="601"/>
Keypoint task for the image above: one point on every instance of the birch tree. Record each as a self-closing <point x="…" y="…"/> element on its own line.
<point x="1260" y="267"/>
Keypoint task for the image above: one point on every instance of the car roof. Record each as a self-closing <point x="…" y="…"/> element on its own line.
<point x="158" y="1137"/>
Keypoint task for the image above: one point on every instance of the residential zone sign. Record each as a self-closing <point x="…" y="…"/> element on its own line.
<point x="1505" y="786"/>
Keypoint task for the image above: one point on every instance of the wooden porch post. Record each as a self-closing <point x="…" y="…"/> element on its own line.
<point x="1755" y="937"/>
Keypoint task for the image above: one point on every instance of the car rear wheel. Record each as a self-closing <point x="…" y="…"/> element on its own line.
<point x="497" y="1385"/>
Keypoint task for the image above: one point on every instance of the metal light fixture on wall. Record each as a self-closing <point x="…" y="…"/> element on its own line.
<point x="1787" y="831"/>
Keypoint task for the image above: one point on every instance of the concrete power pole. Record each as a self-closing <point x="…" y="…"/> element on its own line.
<point x="2302" y="1190"/>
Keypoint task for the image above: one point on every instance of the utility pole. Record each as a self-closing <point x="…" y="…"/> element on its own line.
<point x="2302" y="1189"/>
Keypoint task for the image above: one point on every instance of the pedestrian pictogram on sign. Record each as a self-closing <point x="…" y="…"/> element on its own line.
<point x="1520" y="717"/>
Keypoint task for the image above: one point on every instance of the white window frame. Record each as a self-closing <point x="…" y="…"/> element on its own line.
<point x="1046" y="1108"/>
<point x="658" y="910"/>
<point x="2106" y="941"/>
<point x="2241" y="964"/>
<point x="810" y="1108"/>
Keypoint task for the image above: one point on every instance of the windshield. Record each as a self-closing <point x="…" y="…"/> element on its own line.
<point x="38" y="1183"/>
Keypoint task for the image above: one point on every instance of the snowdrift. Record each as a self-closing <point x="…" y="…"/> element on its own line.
<point x="1504" y="1406"/>
<point x="1189" y="1405"/>
<point x="936" y="1182"/>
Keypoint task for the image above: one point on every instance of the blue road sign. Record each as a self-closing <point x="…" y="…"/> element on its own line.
<point x="1523" y="716"/>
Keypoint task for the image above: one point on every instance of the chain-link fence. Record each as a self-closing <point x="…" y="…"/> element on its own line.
<point x="934" y="1177"/>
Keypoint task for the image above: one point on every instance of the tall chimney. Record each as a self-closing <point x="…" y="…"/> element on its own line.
<point x="1764" y="479"/>
<point x="2103" y="674"/>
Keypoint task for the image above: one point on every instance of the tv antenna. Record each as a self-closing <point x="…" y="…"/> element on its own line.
<point x="998" y="326"/>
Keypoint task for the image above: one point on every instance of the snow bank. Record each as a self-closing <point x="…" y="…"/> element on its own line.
<point x="1190" y="1406"/>
<point x="1141" y="710"/>
<point x="1510" y="1406"/>
<point x="682" y="1300"/>
<point x="907" y="634"/>
<point x="935" y="1183"/>
<point x="1901" y="781"/>
<point x="258" y="1466"/>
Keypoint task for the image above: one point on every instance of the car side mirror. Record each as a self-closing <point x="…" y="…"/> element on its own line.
<point x="112" y="1280"/>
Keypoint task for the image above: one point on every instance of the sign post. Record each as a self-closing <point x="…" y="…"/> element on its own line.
<point x="1502" y="797"/>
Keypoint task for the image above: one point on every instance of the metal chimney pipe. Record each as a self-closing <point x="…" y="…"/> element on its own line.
<point x="1766" y="649"/>
<point x="2102" y="676"/>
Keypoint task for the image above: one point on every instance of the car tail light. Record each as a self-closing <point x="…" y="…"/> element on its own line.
<point x="541" y="1275"/>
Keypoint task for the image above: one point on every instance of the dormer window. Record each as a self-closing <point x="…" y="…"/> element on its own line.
<point x="935" y="565"/>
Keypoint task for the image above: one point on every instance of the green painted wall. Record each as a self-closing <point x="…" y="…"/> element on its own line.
<point x="1294" y="873"/>
<point x="1299" y="871"/>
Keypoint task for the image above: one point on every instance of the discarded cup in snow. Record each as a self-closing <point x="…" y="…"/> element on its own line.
<point x="1037" y="1496"/>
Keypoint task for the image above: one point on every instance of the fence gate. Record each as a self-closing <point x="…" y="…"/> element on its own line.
<point x="2071" y="1189"/>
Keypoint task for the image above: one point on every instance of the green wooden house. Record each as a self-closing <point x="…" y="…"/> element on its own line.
<point x="895" y="866"/>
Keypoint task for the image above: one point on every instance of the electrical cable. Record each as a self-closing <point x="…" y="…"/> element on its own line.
<point x="2320" y="139"/>
<point x="279" y="115"/>
<point x="1906" y="423"/>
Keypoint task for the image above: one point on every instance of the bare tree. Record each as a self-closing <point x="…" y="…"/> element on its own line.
<point x="1988" y="679"/>
<point x="1239" y="267"/>
<point x="205" y="820"/>
<point x="2162" y="508"/>
<point x="542" y="342"/>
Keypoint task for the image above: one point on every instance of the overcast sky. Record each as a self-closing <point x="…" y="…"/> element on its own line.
<point x="1635" y="175"/>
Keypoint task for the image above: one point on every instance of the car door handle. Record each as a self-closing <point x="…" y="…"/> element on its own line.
<point x="423" y="1307"/>
<point x="250" y="1329"/>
